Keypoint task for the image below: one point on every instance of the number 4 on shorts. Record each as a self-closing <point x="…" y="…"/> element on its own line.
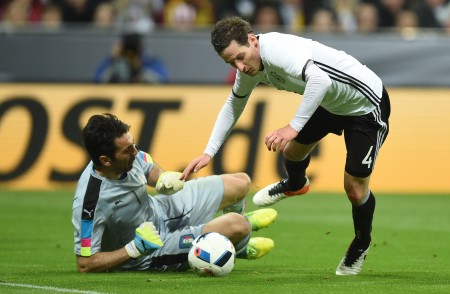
<point x="368" y="159"/>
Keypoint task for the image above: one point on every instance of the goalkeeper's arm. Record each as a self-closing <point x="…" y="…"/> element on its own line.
<point x="153" y="176"/>
<point x="102" y="261"/>
<point x="146" y="241"/>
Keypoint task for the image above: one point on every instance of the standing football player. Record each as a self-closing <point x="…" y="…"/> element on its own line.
<point x="340" y="95"/>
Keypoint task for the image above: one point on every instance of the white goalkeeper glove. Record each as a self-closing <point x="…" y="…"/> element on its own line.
<point x="145" y="241"/>
<point x="169" y="182"/>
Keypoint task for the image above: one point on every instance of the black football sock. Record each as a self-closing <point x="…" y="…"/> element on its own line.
<point x="296" y="171"/>
<point x="362" y="220"/>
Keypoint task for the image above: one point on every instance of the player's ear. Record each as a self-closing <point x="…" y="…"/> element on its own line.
<point x="252" y="39"/>
<point x="105" y="160"/>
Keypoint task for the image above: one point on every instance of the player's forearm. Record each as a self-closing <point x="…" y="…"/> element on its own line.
<point x="153" y="176"/>
<point x="102" y="261"/>
<point x="226" y="119"/>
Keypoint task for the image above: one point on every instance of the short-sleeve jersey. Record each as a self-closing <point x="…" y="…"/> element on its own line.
<point x="105" y="213"/>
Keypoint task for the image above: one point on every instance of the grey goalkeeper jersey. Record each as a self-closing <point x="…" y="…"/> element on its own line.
<point x="323" y="75"/>
<point x="105" y="213"/>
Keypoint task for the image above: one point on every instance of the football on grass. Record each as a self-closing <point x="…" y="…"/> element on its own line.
<point x="212" y="254"/>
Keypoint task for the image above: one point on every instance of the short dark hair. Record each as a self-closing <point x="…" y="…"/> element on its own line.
<point x="229" y="29"/>
<point x="132" y="43"/>
<point x="100" y="133"/>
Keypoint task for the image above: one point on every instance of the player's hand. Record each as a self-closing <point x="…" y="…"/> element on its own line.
<point x="279" y="139"/>
<point x="146" y="240"/>
<point x="195" y="165"/>
<point x="169" y="182"/>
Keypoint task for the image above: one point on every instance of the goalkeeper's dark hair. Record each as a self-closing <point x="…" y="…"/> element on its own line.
<point x="229" y="29"/>
<point x="100" y="133"/>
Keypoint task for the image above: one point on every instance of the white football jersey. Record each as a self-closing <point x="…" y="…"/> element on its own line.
<point x="323" y="75"/>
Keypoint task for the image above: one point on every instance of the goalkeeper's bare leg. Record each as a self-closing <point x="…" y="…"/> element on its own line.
<point x="236" y="187"/>
<point x="234" y="200"/>
<point x="238" y="229"/>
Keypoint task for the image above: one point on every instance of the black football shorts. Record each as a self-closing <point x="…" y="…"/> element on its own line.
<point x="363" y="135"/>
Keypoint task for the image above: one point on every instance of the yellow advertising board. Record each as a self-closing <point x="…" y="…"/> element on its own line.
<point x="41" y="145"/>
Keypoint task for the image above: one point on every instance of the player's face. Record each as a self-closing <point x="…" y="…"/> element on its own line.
<point x="244" y="58"/>
<point x="125" y="154"/>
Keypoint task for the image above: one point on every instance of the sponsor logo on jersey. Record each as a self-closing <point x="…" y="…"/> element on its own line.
<point x="186" y="241"/>
<point x="88" y="212"/>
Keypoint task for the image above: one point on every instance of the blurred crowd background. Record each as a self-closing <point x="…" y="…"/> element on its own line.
<point x="145" y="16"/>
<point x="161" y="41"/>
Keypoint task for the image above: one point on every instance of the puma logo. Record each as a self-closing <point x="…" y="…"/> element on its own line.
<point x="118" y="201"/>
<point x="88" y="212"/>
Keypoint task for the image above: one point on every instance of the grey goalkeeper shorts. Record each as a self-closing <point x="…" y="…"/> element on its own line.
<point x="184" y="215"/>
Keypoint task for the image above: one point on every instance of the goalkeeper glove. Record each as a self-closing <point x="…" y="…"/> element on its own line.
<point x="169" y="182"/>
<point x="145" y="241"/>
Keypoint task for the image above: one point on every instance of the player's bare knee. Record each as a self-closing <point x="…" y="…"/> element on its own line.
<point x="238" y="225"/>
<point x="356" y="187"/>
<point x="232" y="225"/>
<point x="236" y="186"/>
<point x="242" y="184"/>
<point x="355" y="192"/>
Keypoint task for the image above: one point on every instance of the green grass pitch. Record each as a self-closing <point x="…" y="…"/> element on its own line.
<point x="410" y="251"/>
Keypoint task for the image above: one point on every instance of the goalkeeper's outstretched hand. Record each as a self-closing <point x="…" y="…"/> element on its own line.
<point x="145" y="241"/>
<point x="169" y="182"/>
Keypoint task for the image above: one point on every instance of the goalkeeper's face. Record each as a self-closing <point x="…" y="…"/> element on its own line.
<point x="125" y="154"/>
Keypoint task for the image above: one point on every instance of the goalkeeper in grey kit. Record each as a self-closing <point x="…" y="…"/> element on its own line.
<point x="119" y="226"/>
<point x="340" y="96"/>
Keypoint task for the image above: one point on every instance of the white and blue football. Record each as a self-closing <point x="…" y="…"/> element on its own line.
<point x="212" y="254"/>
